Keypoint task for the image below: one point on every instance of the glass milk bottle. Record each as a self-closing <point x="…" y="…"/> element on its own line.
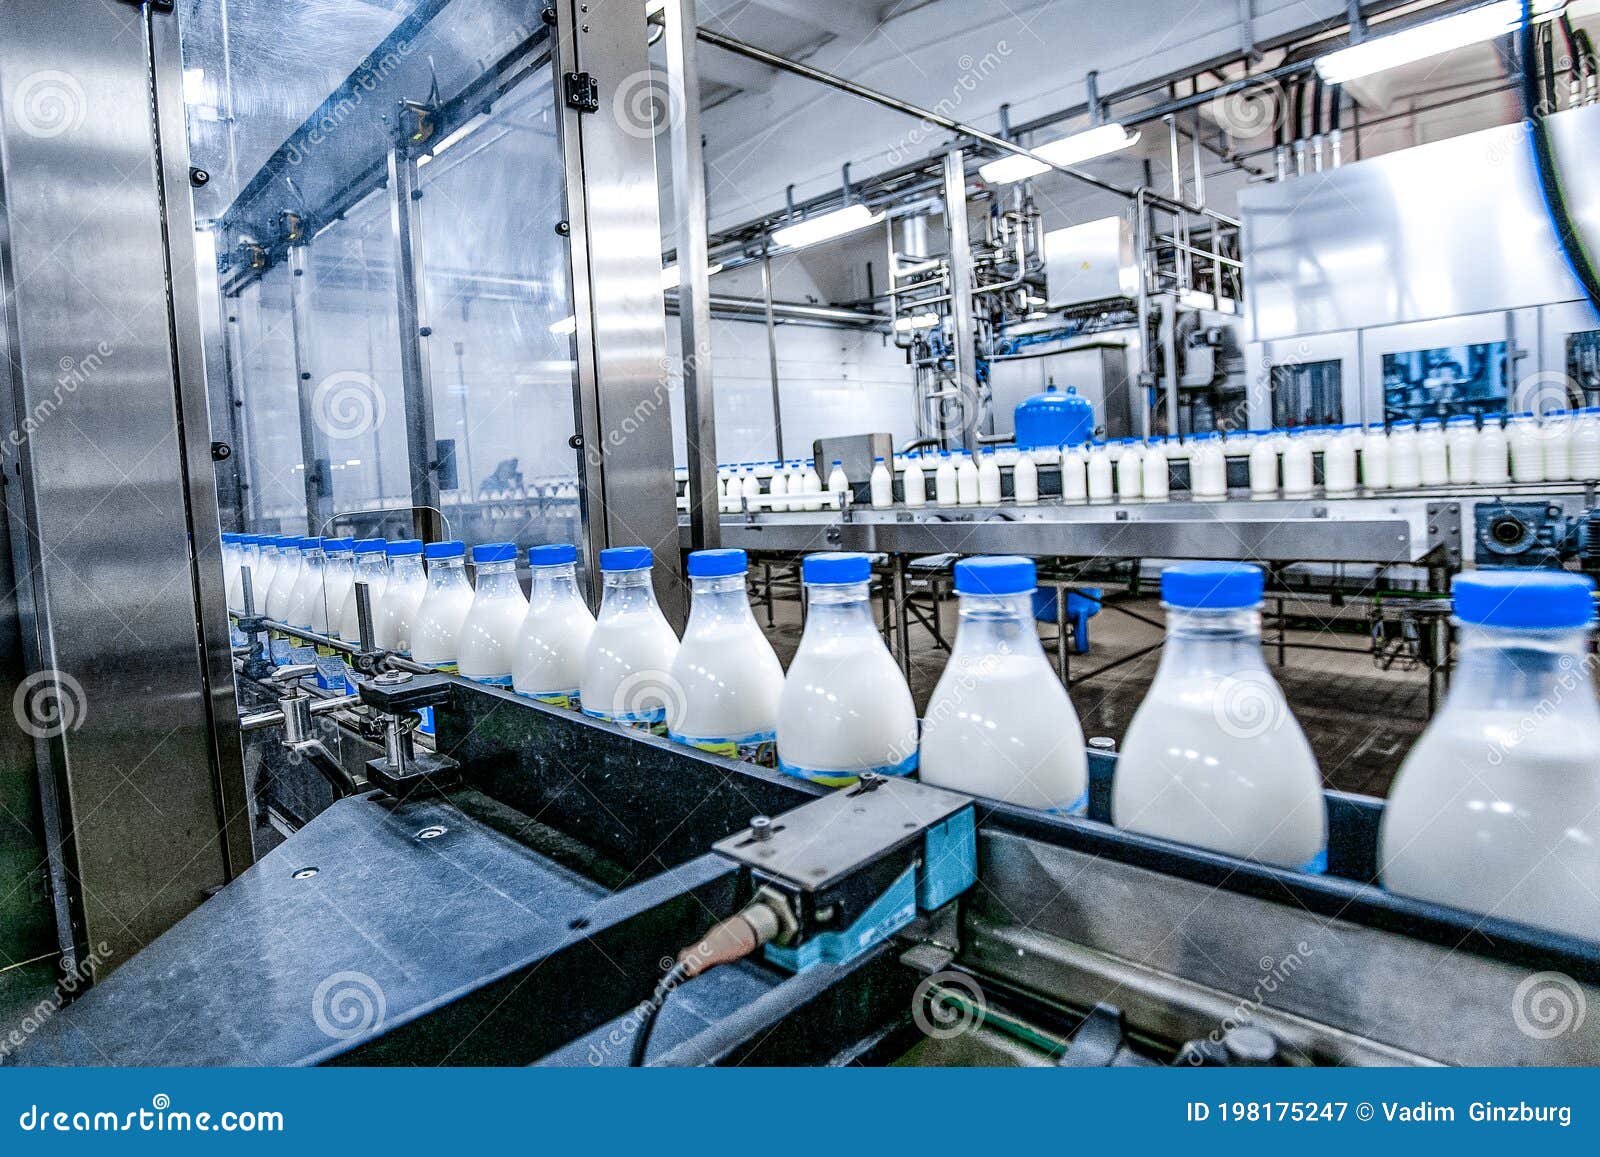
<point x="1584" y="455"/>
<point x="1405" y="467"/>
<point x="1157" y="481"/>
<point x="1298" y="474"/>
<point x="1489" y="457"/>
<point x="1100" y="472"/>
<point x="436" y="628"/>
<point x="1074" y="475"/>
<point x="838" y="482"/>
<point x="845" y="707"/>
<point x="371" y="569"/>
<point x="1433" y="465"/>
<point x="1263" y="468"/>
<point x="279" y="596"/>
<point x="881" y="485"/>
<point x="1130" y="472"/>
<point x="1375" y="457"/>
<point x="988" y="478"/>
<point x="1461" y="446"/>
<point x="1527" y="449"/>
<point x="944" y="480"/>
<point x="627" y="666"/>
<point x="1000" y="723"/>
<point x="1556" y="435"/>
<point x="1339" y="462"/>
<point x="489" y="632"/>
<point x="306" y="599"/>
<point x="548" y="665"/>
<point x="726" y="679"/>
<point x="1213" y="756"/>
<point x="1496" y="808"/>
<point x="408" y="582"/>
<point x="967" y="481"/>
<point x="1025" y="481"/>
<point x="338" y="573"/>
<point x="263" y="565"/>
<point x="914" y="484"/>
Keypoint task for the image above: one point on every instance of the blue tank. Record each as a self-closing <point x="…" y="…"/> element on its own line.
<point x="1053" y="418"/>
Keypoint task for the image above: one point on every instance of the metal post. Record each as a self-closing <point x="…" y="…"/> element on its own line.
<point x="963" y="332"/>
<point x="902" y="614"/>
<point x="405" y="222"/>
<point x="1169" y="355"/>
<point x="772" y="354"/>
<point x="313" y="436"/>
<point x="694" y="291"/>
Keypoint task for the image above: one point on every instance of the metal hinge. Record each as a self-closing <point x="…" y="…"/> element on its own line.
<point x="582" y="93"/>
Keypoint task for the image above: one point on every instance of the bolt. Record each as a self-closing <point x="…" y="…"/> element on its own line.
<point x="563" y="228"/>
<point x="303" y="874"/>
<point x="576" y="441"/>
<point x="198" y="177"/>
<point x="1103" y="743"/>
<point x="432" y="832"/>
<point x="761" y="828"/>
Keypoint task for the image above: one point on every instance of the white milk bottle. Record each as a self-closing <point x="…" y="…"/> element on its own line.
<point x="752" y="487"/>
<point x="881" y="485"/>
<point x="779" y="487"/>
<point x="1099" y="470"/>
<point x="1585" y="451"/>
<point x="944" y="481"/>
<point x="548" y="665"/>
<point x="913" y="483"/>
<point x="1157" y="480"/>
<point x="1490" y="456"/>
<point x="436" y="627"/>
<point x="812" y="487"/>
<point x="1405" y="467"/>
<point x="306" y="601"/>
<point x="1339" y="462"/>
<point x="726" y="679"/>
<point x="1298" y="474"/>
<point x="372" y="570"/>
<point x="838" y="483"/>
<point x="1025" y="481"/>
<point x="489" y="632"/>
<point x="235" y="556"/>
<point x="1375" y="457"/>
<point x="402" y="595"/>
<point x="1556" y="434"/>
<point x="1208" y="469"/>
<point x="263" y="566"/>
<point x="1527" y="449"/>
<point x="627" y="667"/>
<point x="845" y="707"/>
<point x="1496" y="809"/>
<point x="967" y="484"/>
<point x="1461" y="447"/>
<point x="988" y="478"/>
<point x="1000" y="723"/>
<point x="1213" y="756"/>
<point x="1130" y="472"/>
<point x="281" y="594"/>
<point x="1433" y="466"/>
<point x="1074" y="475"/>
<point x="1263" y="468"/>
<point x="338" y="573"/>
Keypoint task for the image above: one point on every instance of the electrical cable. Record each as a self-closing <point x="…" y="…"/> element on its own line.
<point x="1550" y="189"/>
<point x="651" y="1010"/>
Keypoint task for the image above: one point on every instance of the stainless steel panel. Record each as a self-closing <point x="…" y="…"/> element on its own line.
<point x="112" y="499"/>
<point x="1452" y="1006"/>
<point x="1453" y="227"/>
<point x="1091" y="261"/>
<point x="1345" y="348"/>
<point x="854" y="453"/>
<point x="415" y="371"/>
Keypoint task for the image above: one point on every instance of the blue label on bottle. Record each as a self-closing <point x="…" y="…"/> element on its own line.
<point x="833" y="777"/>
<point x="492" y="680"/>
<point x="1317" y="865"/>
<point x="280" y="649"/>
<point x="1077" y="808"/>
<point x="759" y="747"/>
<point x="654" y="721"/>
<point x="569" y="699"/>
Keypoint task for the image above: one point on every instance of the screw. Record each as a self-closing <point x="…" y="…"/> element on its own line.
<point x="563" y="228"/>
<point x="425" y="331"/>
<point x="431" y="832"/>
<point x="761" y="828"/>
<point x="1103" y="743"/>
<point x="198" y="177"/>
<point x="303" y="874"/>
<point x="576" y="441"/>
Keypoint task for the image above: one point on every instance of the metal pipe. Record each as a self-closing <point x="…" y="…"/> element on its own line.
<point x="963" y="335"/>
<point x="784" y="64"/>
<point x="772" y="354"/>
<point x="735" y="307"/>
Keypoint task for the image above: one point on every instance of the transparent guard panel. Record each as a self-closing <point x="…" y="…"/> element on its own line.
<point x="262" y="347"/>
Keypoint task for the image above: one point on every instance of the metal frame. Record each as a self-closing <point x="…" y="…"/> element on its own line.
<point x="314" y="453"/>
<point x="416" y="373"/>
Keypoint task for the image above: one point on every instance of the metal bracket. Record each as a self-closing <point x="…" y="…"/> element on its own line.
<point x="581" y="91"/>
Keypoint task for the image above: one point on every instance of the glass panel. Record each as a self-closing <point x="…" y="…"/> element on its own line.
<point x="499" y="303"/>
<point x="263" y="352"/>
<point x="1307" y="394"/>
<point x="1445" y="382"/>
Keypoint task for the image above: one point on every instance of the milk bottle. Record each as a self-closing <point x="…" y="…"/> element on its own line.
<point x="1208" y="469"/>
<point x="1497" y="807"/>
<point x="338" y="573"/>
<point x="881" y="486"/>
<point x="402" y="595"/>
<point x="1585" y="450"/>
<point x="548" y="665"/>
<point x="1489" y="457"/>
<point x="306" y="601"/>
<point x="1432" y="454"/>
<point x="264" y="566"/>
<point x="1556" y="434"/>
<point x="838" y="483"/>
<point x="752" y="487"/>
<point x="914" y="484"/>
<point x="967" y="482"/>
<point x="489" y="633"/>
<point x="845" y="707"/>
<point x="1157" y="482"/>
<point x="235" y="553"/>
<point x="1099" y="470"/>
<point x="1405" y="467"/>
<point x="436" y="627"/>
<point x="281" y="594"/>
<point x="1527" y="449"/>
<point x="1000" y="723"/>
<point x="1460" y="445"/>
<point x="1339" y="462"/>
<point x="944" y="480"/>
<point x="1213" y="756"/>
<point x="726" y="679"/>
<point x="1025" y="481"/>
<point x="1263" y="469"/>
<point x="1375" y="458"/>
<point x="370" y="569"/>
<point x="1130" y="472"/>
<point x="1074" y="475"/>
<point x="812" y="488"/>
<point x="626" y="674"/>
<point x="1297" y="472"/>
<point x="988" y="478"/>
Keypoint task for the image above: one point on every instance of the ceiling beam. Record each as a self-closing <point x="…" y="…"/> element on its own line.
<point x="848" y="19"/>
<point x="724" y="68"/>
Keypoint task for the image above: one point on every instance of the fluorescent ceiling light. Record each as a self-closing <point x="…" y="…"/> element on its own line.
<point x="835" y="224"/>
<point x="915" y="321"/>
<point x="1079" y="147"/>
<point x="1432" y="38"/>
<point x="565" y="326"/>
<point x="671" y="278"/>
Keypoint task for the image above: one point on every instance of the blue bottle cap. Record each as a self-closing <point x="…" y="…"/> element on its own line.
<point x="370" y="545"/>
<point x="1532" y="600"/>
<point x="450" y="549"/>
<point x="403" y="547"/>
<point x="310" y="544"/>
<point x="836" y="568"/>
<point x="338" y="545"/>
<point x="999" y="574"/>
<point x="487" y="552"/>
<point x="719" y="563"/>
<point x="553" y="554"/>
<point x="1212" y="586"/>
<point x="617" y="558"/>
